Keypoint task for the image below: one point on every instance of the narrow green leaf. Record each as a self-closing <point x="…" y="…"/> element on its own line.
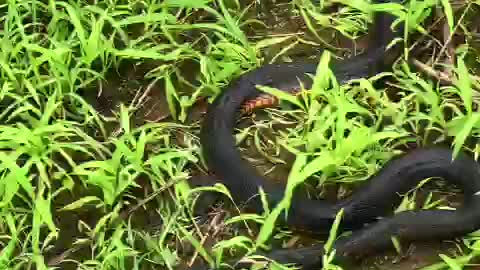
<point x="464" y="84"/>
<point x="333" y="231"/>
<point x="172" y="96"/>
<point x="124" y="119"/>
<point x="464" y="132"/>
<point x="447" y="9"/>
<point x="43" y="206"/>
<point x="270" y="41"/>
<point x="282" y="95"/>
<point x="452" y="263"/>
<point x="79" y="203"/>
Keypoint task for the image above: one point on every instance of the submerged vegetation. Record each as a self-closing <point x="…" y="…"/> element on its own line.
<point x="102" y="101"/>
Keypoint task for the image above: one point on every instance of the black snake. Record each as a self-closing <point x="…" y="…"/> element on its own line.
<point x="374" y="199"/>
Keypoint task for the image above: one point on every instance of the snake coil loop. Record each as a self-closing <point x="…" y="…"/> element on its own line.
<point x="374" y="199"/>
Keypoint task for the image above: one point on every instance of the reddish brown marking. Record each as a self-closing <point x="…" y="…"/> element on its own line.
<point x="263" y="101"/>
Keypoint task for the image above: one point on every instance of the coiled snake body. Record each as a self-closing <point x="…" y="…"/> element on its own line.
<point x="377" y="196"/>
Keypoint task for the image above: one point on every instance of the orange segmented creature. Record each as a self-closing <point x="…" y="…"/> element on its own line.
<point x="263" y="101"/>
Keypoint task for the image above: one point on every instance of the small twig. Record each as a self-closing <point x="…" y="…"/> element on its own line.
<point x="429" y="29"/>
<point x="62" y="256"/>
<point x="448" y="40"/>
<point x="150" y="197"/>
<point x="449" y="47"/>
<point x="439" y="75"/>
<point x="217" y="225"/>
<point x="100" y="88"/>
<point x="137" y="103"/>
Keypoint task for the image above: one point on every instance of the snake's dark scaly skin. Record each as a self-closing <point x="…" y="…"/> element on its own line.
<point x="374" y="199"/>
